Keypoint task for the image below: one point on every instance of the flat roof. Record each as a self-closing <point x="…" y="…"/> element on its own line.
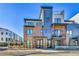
<point x="28" y="26"/>
<point x="26" y="19"/>
<point x="46" y="7"/>
<point x="59" y="23"/>
<point x="40" y="37"/>
<point x="68" y="20"/>
<point x="58" y="38"/>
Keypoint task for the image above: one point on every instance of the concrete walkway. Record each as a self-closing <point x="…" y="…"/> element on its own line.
<point x="39" y="52"/>
<point x="17" y="52"/>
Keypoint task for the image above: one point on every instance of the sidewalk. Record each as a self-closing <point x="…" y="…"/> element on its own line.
<point x="17" y="52"/>
<point x="39" y="52"/>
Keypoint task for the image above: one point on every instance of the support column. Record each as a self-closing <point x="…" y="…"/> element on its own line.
<point x="53" y="44"/>
<point x="33" y="43"/>
<point x="67" y="39"/>
<point x="41" y="43"/>
<point x="44" y="43"/>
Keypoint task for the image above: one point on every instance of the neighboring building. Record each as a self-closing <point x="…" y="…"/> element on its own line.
<point x="49" y="30"/>
<point x="73" y="30"/>
<point x="8" y="38"/>
<point x="75" y="18"/>
<point x="5" y="37"/>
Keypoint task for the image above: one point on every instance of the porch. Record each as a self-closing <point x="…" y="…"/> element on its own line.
<point x="40" y="42"/>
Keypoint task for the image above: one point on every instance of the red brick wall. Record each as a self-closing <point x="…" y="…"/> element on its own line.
<point x="37" y="31"/>
<point x="25" y="37"/>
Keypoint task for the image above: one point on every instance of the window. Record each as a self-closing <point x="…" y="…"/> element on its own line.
<point x="9" y="39"/>
<point x="41" y="31"/>
<point x="52" y="31"/>
<point x="48" y="31"/>
<point x="6" y="39"/>
<point x="57" y="20"/>
<point x="45" y="30"/>
<point x="47" y="17"/>
<point x="57" y="32"/>
<point x="2" y="39"/>
<point x="1" y="33"/>
<point x="9" y="34"/>
<point x="30" y="23"/>
<point x="6" y="33"/>
<point x="69" y="32"/>
<point x="29" y="32"/>
<point x="38" y="24"/>
<point x="48" y="12"/>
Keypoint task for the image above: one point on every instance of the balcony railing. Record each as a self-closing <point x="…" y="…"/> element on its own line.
<point x="59" y="12"/>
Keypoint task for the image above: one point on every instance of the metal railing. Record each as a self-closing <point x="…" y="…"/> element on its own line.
<point x="66" y="47"/>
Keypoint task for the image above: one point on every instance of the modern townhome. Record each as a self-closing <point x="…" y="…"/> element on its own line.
<point x="9" y="38"/>
<point x="49" y="31"/>
<point x="74" y="29"/>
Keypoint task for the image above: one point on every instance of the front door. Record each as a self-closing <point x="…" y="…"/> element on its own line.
<point x="39" y="44"/>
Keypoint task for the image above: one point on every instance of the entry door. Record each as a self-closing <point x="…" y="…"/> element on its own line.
<point x="39" y="44"/>
<point x="59" y="42"/>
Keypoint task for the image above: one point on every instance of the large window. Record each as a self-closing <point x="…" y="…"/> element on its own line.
<point x="57" y="32"/>
<point x="29" y="32"/>
<point x="69" y="33"/>
<point x="57" y="20"/>
<point x="30" y="23"/>
<point x="46" y="31"/>
<point x="47" y="17"/>
<point x="38" y="24"/>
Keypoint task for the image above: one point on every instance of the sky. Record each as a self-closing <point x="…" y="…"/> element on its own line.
<point x="12" y="14"/>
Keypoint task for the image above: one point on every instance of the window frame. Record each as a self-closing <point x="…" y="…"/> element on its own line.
<point x="56" y="20"/>
<point x="56" y="32"/>
<point x="30" y="31"/>
<point x="6" y="33"/>
<point x="1" y="33"/>
<point x="2" y="39"/>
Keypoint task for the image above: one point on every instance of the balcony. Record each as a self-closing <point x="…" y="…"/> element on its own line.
<point x="59" y="12"/>
<point x="57" y="37"/>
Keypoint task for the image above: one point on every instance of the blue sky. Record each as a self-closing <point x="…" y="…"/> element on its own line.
<point x="12" y="15"/>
